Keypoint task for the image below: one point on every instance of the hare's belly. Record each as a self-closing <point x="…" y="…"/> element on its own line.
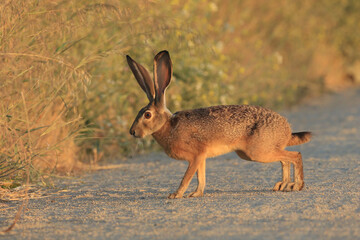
<point x="223" y="146"/>
<point x="219" y="149"/>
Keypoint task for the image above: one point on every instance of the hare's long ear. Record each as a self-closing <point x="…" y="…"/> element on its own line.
<point x="143" y="78"/>
<point x="162" y="75"/>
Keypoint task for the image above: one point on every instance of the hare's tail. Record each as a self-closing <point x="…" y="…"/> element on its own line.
<point x="299" y="138"/>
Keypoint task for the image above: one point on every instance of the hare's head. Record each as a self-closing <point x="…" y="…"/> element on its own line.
<point x="153" y="116"/>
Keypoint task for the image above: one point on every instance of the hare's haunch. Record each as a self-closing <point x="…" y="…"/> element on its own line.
<point x="254" y="133"/>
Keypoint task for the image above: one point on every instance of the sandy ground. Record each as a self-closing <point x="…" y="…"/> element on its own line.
<point x="130" y="202"/>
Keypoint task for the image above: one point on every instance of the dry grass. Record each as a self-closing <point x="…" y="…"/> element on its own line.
<point x="39" y="90"/>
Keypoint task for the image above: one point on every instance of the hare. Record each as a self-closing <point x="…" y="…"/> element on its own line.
<point x="254" y="133"/>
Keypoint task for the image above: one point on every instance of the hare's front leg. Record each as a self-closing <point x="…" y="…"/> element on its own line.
<point x="199" y="192"/>
<point x="192" y="168"/>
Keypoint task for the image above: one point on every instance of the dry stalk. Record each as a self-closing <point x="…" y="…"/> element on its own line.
<point x="28" y="155"/>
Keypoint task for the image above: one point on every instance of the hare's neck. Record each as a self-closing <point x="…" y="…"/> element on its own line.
<point x="161" y="136"/>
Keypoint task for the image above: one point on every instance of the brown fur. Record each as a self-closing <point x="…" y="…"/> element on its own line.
<point x="254" y="133"/>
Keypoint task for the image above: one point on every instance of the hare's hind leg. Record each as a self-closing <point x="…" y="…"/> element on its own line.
<point x="199" y="192"/>
<point x="287" y="157"/>
<point x="280" y="186"/>
<point x="192" y="168"/>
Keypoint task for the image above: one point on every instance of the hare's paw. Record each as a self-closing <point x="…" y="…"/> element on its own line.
<point x="175" y="195"/>
<point x="280" y="186"/>
<point x="196" y="194"/>
<point x="294" y="186"/>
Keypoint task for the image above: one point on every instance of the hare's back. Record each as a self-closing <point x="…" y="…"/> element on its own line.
<point x="231" y="120"/>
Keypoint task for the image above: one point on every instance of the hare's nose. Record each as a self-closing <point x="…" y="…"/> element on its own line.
<point x="132" y="132"/>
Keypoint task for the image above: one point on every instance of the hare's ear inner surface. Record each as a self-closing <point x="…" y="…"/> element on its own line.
<point x="162" y="75"/>
<point x="142" y="77"/>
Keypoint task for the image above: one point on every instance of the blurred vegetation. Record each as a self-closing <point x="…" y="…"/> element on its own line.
<point x="67" y="94"/>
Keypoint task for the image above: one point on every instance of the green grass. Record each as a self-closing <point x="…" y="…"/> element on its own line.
<point x="68" y="96"/>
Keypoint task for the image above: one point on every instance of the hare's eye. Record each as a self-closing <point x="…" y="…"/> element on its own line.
<point x="147" y="115"/>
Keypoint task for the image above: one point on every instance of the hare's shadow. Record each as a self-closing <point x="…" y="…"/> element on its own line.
<point x="240" y="191"/>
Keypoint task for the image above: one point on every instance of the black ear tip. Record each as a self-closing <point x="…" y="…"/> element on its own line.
<point x="129" y="60"/>
<point x="162" y="54"/>
<point x="165" y="52"/>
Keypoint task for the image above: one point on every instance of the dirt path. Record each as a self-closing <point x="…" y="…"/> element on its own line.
<point x="130" y="202"/>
